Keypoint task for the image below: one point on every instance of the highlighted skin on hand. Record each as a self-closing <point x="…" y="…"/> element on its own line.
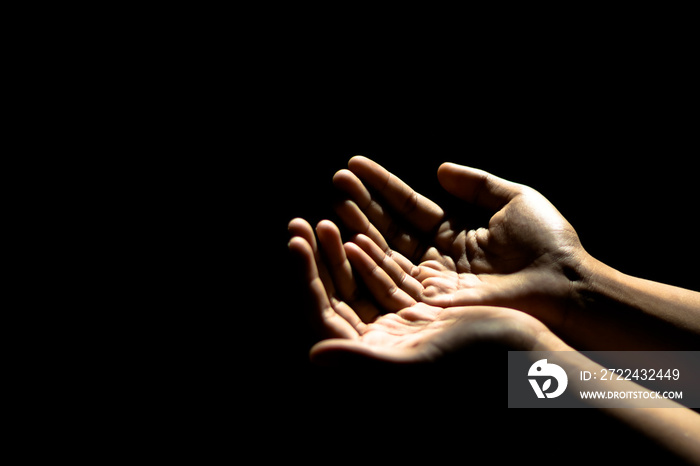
<point x="526" y="256"/>
<point x="401" y="329"/>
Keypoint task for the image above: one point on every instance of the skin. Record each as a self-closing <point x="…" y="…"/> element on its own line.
<point x="403" y="330"/>
<point x="524" y="282"/>
<point x="528" y="257"/>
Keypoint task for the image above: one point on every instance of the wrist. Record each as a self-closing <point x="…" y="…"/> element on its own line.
<point x="609" y="310"/>
<point x="587" y="277"/>
<point x="586" y="280"/>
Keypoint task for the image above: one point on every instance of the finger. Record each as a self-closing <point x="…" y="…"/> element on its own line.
<point x="347" y="181"/>
<point x="353" y="317"/>
<point x="379" y="283"/>
<point x="357" y="221"/>
<point x="335" y="324"/>
<point x="360" y="311"/>
<point x="339" y="352"/>
<point x="375" y="213"/>
<point x="337" y="261"/>
<point x="420" y="211"/>
<point x="302" y="228"/>
<point x="477" y="186"/>
<point x="403" y="262"/>
<point x="491" y="290"/>
<point x="426" y="270"/>
<point x="397" y="274"/>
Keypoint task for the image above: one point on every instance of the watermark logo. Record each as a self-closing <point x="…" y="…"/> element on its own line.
<point x="543" y="372"/>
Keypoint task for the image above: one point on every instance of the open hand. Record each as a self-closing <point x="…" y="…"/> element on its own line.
<point x="397" y="328"/>
<point x="526" y="257"/>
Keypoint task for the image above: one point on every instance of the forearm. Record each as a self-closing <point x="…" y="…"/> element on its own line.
<point x="614" y="311"/>
<point x="670" y="425"/>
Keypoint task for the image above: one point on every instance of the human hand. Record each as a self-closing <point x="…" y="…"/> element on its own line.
<point x="339" y="307"/>
<point x="409" y="331"/>
<point x="526" y="258"/>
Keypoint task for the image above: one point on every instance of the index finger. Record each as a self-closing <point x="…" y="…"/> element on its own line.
<point x="420" y="211"/>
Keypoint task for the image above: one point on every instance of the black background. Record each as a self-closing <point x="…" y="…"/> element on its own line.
<point x="609" y="139"/>
<point x="224" y="131"/>
<point x="624" y="181"/>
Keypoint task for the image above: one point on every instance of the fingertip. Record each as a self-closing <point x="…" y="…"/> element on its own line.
<point x="298" y="227"/>
<point x="298" y="245"/>
<point x="357" y="160"/>
<point x="348" y="182"/>
<point x="358" y="257"/>
<point x="295" y="222"/>
<point x="362" y="241"/>
<point x="352" y="249"/>
<point x="301" y="252"/>
<point x="369" y="248"/>
<point x="447" y="169"/>
<point x="450" y="169"/>
<point x="351" y="214"/>
<point x="342" y="176"/>
<point x="360" y="236"/>
<point x="363" y="166"/>
<point x="345" y="204"/>
<point x="340" y="351"/>
<point x="447" y="166"/>
<point x="344" y="352"/>
<point x="317" y="357"/>
<point x="327" y="353"/>
<point x="326" y="226"/>
<point x="331" y="241"/>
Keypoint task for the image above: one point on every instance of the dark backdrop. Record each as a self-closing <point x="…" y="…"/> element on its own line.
<point x="610" y="144"/>
<point x="622" y="173"/>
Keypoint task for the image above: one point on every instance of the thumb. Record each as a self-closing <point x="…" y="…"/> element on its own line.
<point x="477" y="186"/>
<point x="343" y="352"/>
